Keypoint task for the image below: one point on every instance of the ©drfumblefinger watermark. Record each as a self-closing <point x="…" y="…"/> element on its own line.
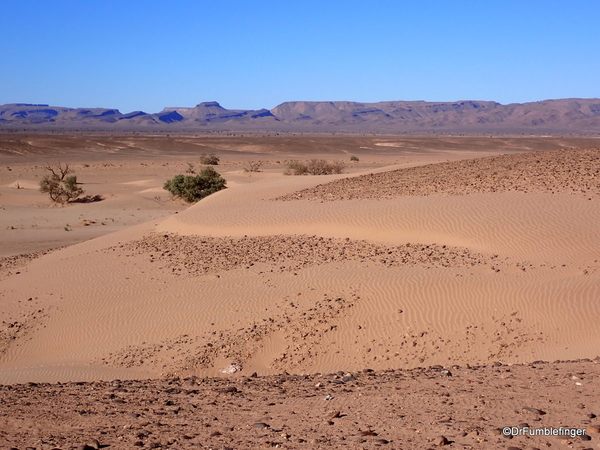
<point x="544" y="431"/>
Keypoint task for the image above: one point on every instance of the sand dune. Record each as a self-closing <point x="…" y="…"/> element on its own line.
<point x="243" y="281"/>
<point x="574" y="171"/>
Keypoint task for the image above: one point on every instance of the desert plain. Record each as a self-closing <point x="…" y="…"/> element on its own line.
<point x="440" y="289"/>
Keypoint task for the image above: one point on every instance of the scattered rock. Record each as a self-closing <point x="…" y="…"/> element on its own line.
<point x="440" y="441"/>
<point x="535" y="410"/>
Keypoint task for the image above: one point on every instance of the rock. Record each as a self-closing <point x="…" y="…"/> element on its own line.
<point x="368" y="433"/>
<point x="232" y="368"/>
<point x="260" y="425"/>
<point x="535" y="410"/>
<point x="94" y="444"/>
<point x="229" y="390"/>
<point x="440" y="441"/>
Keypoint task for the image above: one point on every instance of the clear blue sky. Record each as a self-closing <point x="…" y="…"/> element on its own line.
<point x="144" y="55"/>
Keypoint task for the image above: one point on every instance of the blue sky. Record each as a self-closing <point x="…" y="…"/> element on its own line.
<point x="145" y="55"/>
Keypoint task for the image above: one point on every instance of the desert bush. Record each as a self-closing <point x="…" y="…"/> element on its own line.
<point x="318" y="167"/>
<point x="193" y="188"/>
<point x="60" y="187"/>
<point x="354" y="158"/>
<point x="59" y="170"/>
<point x="337" y="167"/>
<point x="252" y="166"/>
<point x="313" y="167"/>
<point x="190" y="168"/>
<point x="295" y="167"/>
<point x="209" y="159"/>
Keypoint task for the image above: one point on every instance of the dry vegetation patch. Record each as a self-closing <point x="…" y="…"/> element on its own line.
<point x="570" y="171"/>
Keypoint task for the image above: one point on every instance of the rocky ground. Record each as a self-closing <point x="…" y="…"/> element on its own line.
<point x="424" y="408"/>
<point x="572" y="171"/>
<point x="203" y="254"/>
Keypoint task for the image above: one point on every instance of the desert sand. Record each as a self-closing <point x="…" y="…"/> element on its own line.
<point x="418" y="256"/>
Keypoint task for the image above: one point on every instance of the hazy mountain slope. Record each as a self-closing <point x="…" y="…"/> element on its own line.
<point x="563" y="115"/>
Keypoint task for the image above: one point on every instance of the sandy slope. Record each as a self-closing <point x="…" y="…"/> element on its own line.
<point x="489" y="276"/>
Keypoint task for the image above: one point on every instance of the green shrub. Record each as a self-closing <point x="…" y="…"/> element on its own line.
<point x="61" y="190"/>
<point x="354" y="158"/>
<point x="193" y="188"/>
<point x="210" y="159"/>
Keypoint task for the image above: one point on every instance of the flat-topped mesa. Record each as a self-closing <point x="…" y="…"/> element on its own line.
<point x="209" y="105"/>
<point x="470" y="116"/>
<point x="301" y="110"/>
<point x="211" y="113"/>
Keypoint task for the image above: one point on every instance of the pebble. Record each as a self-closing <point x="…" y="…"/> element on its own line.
<point x="440" y="441"/>
<point x="368" y="433"/>
<point x="229" y="390"/>
<point x="535" y="410"/>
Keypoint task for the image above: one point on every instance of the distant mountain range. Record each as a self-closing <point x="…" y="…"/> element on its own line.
<point x="554" y="116"/>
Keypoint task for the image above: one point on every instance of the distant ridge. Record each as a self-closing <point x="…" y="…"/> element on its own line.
<point x="552" y="116"/>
